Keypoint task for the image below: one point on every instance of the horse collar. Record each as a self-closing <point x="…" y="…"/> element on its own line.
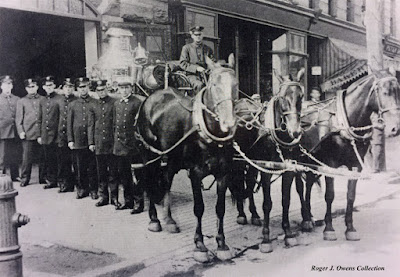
<point x="198" y="120"/>
<point x="346" y="131"/>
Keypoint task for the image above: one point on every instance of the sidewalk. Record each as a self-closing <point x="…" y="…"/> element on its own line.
<point x="70" y="237"/>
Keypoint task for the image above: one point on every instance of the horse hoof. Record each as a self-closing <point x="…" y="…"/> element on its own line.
<point x="307" y="226"/>
<point x="224" y="255"/>
<point x="242" y="220"/>
<point x="154" y="227"/>
<point x="172" y="228"/>
<point x="330" y="235"/>
<point x="290" y="242"/>
<point x="353" y="236"/>
<point x="201" y="257"/>
<point x="256" y="221"/>
<point x="266" y="248"/>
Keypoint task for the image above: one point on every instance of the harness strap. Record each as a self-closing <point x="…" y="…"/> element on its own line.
<point x="159" y="152"/>
<point x="270" y="124"/>
<point x="198" y="120"/>
<point x="346" y="130"/>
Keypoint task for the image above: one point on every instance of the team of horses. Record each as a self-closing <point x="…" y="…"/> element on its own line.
<point x="200" y="134"/>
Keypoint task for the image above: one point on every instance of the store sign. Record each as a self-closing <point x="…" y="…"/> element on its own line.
<point x="345" y="77"/>
<point x="391" y="49"/>
<point x="316" y="71"/>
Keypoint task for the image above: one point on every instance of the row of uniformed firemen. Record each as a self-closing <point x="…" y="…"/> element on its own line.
<point x="82" y="142"/>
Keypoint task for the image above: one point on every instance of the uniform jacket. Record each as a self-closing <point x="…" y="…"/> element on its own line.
<point x="64" y="102"/>
<point x="100" y="131"/>
<point x="125" y="111"/>
<point x="77" y="122"/>
<point x="27" y="115"/>
<point x="49" y="114"/>
<point x="193" y="56"/>
<point x="8" y="109"/>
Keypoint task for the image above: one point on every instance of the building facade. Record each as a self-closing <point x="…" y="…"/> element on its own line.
<point x="268" y="37"/>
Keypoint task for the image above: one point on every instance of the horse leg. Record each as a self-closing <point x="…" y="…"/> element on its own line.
<point x="290" y="237"/>
<point x="171" y="225"/>
<point x="329" y="232"/>
<point x="255" y="218"/>
<point x="351" y="232"/>
<point x="238" y="177"/>
<point x="266" y="245"/>
<point x="154" y="224"/>
<point x="307" y="224"/>
<point x="223" y="252"/>
<point x="201" y="251"/>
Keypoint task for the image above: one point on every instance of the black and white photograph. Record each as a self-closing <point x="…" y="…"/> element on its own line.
<point x="199" y="138"/>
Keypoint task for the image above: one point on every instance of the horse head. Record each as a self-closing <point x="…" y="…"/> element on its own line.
<point x="221" y="93"/>
<point x="287" y="105"/>
<point x="385" y="96"/>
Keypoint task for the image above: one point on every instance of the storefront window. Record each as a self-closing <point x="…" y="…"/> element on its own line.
<point x="280" y="44"/>
<point x="288" y="57"/>
<point x="195" y="18"/>
<point x="297" y="43"/>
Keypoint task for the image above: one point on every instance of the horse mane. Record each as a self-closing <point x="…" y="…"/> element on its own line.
<point x="364" y="81"/>
<point x="360" y="83"/>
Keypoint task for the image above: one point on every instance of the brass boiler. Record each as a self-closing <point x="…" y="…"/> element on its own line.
<point x="10" y="256"/>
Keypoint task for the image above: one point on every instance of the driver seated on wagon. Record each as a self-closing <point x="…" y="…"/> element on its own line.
<point x="193" y="60"/>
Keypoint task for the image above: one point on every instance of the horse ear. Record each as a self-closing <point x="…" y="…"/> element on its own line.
<point x="231" y="61"/>
<point x="300" y="74"/>
<point x="279" y="77"/>
<point x="210" y="63"/>
<point x="392" y="71"/>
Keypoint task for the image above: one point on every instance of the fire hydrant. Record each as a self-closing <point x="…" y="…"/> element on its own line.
<point x="10" y="256"/>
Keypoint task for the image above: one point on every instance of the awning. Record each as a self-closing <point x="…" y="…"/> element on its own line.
<point x="346" y="74"/>
<point x="345" y="61"/>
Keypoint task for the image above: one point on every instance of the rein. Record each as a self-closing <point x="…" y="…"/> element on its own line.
<point x="199" y="126"/>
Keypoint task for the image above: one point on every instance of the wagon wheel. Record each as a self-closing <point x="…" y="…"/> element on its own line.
<point x="181" y="83"/>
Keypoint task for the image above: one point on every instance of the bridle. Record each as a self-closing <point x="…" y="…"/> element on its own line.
<point x="270" y="117"/>
<point x="210" y="87"/>
<point x="373" y="90"/>
<point x="348" y="131"/>
<point x="199" y="107"/>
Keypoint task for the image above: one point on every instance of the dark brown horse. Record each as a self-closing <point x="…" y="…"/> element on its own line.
<point x="193" y="135"/>
<point x="262" y="131"/>
<point x="348" y="135"/>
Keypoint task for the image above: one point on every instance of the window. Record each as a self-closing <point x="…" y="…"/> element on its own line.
<point x="332" y="7"/>
<point x="350" y="11"/>
<point x="154" y="42"/>
<point x="313" y="4"/>
<point x="205" y="20"/>
<point x="208" y="20"/>
<point x="288" y="55"/>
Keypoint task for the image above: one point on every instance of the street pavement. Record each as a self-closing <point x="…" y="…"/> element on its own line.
<point x="70" y="237"/>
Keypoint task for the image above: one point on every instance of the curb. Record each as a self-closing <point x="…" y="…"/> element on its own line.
<point x="122" y="269"/>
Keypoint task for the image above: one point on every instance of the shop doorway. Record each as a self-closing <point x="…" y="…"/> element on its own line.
<point x="36" y="45"/>
<point x="252" y="45"/>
